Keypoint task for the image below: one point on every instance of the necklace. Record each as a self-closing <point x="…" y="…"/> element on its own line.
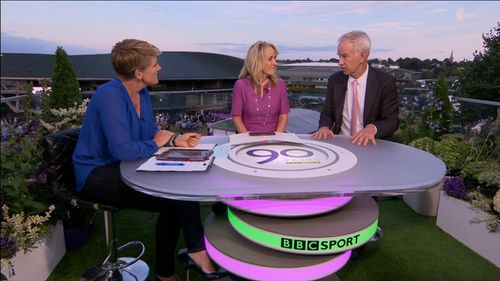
<point x="258" y="109"/>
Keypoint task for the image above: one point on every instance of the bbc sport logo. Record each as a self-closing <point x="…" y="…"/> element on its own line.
<point x="316" y="245"/>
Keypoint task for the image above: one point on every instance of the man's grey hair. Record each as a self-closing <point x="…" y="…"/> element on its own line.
<point x="360" y="39"/>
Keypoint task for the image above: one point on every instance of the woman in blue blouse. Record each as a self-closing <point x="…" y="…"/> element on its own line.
<point x="119" y="125"/>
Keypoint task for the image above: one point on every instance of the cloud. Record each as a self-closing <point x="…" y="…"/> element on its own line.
<point x="160" y="14"/>
<point x="302" y="48"/>
<point x="233" y="49"/>
<point x="438" y="11"/>
<point x="398" y="26"/>
<point x="17" y="44"/>
<point x="381" y="51"/>
<point x="286" y="51"/>
<point x="309" y="9"/>
<point x="460" y="14"/>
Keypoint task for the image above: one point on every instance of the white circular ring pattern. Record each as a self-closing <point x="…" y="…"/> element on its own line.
<point x="287" y="160"/>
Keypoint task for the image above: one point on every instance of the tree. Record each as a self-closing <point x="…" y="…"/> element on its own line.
<point x="481" y="77"/>
<point x="45" y="96"/>
<point x="442" y="109"/>
<point x="436" y="111"/>
<point x="65" y="88"/>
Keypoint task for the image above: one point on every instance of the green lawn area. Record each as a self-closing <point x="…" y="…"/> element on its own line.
<point x="413" y="248"/>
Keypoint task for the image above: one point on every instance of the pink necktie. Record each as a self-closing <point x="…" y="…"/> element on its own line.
<point x="355" y="108"/>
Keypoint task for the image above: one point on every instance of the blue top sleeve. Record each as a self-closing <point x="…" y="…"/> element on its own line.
<point x="112" y="131"/>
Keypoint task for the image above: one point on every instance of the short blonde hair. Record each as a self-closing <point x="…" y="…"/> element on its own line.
<point x="254" y="62"/>
<point x="130" y="55"/>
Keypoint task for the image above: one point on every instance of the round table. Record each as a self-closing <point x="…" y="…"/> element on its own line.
<point x="387" y="168"/>
<point x="259" y="239"/>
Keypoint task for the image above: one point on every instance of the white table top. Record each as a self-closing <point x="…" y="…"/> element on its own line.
<point x="385" y="169"/>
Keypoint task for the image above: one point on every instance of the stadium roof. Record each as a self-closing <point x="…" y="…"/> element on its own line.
<point x="314" y="64"/>
<point x="175" y="66"/>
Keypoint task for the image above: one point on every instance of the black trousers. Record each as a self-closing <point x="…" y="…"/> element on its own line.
<point x="104" y="185"/>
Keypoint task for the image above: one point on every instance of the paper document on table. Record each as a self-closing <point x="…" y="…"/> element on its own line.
<point x="154" y="165"/>
<point x="277" y="137"/>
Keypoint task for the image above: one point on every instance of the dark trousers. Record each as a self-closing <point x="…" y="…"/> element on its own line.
<point x="104" y="185"/>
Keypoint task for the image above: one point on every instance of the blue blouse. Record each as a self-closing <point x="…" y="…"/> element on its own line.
<point x="112" y="131"/>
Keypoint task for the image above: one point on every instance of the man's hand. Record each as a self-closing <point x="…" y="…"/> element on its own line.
<point x="323" y="133"/>
<point x="187" y="140"/>
<point x="366" y="135"/>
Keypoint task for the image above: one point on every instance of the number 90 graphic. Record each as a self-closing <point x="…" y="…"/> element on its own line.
<point x="271" y="155"/>
<point x="287" y="161"/>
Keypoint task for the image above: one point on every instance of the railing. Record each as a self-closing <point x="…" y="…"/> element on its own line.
<point x="210" y="99"/>
<point x="220" y="99"/>
<point x="14" y="103"/>
<point x="486" y="102"/>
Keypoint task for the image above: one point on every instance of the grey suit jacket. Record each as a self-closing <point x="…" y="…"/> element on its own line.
<point x="381" y="103"/>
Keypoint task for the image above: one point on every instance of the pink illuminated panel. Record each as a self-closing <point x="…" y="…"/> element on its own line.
<point x="258" y="272"/>
<point x="290" y="208"/>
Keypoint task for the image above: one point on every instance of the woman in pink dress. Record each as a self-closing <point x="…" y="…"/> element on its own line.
<point x="260" y="99"/>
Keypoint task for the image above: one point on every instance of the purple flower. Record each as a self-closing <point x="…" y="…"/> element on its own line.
<point x="8" y="247"/>
<point x="455" y="187"/>
<point x="41" y="178"/>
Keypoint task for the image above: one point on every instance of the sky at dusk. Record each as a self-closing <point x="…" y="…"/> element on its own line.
<point x="300" y="29"/>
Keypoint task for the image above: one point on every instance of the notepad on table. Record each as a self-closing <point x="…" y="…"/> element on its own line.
<point x="155" y="165"/>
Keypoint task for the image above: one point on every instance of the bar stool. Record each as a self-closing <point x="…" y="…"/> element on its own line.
<point x="59" y="147"/>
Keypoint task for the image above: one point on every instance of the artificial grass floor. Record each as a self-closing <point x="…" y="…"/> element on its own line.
<point x="413" y="249"/>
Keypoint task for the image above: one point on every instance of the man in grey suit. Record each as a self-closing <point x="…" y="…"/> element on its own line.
<point x="361" y="101"/>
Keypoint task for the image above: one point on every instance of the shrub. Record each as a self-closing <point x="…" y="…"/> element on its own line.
<point x="24" y="176"/>
<point x="65" y="88"/>
<point x="471" y="159"/>
<point x="427" y="115"/>
<point x="20" y="232"/>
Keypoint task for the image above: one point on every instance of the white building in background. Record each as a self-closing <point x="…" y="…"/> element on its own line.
<point x="313" y="75"/>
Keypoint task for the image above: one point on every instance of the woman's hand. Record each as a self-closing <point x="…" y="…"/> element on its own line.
<point x="162" y="137"/>
<point x="239" y="125"/>
<point x="187" y="140"/>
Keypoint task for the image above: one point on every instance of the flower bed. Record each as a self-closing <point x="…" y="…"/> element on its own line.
<point x="37" y="263"/>
<point x="473" y="167"/>
<point x="464" y="223"/>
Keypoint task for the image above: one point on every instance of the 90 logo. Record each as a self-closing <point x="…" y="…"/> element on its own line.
<point x="271" y="155"/>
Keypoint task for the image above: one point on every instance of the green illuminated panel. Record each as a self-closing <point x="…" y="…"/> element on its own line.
<point x="302" y="245"/>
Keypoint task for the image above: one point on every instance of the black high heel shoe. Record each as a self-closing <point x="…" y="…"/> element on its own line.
<point x="189" y="264"/>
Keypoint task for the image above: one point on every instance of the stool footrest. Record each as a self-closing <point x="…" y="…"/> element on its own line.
<point x="106" y="265"/>
<point x="139" y="271"/>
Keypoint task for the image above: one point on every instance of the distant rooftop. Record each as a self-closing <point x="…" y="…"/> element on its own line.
<point x="175" y="66"/>
<point x="326" y="64"/>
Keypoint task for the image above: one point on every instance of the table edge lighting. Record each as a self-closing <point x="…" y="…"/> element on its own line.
<point x="302" y="245"/>
<point x="290" y="208"/>
<point x="257" y="272"/>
